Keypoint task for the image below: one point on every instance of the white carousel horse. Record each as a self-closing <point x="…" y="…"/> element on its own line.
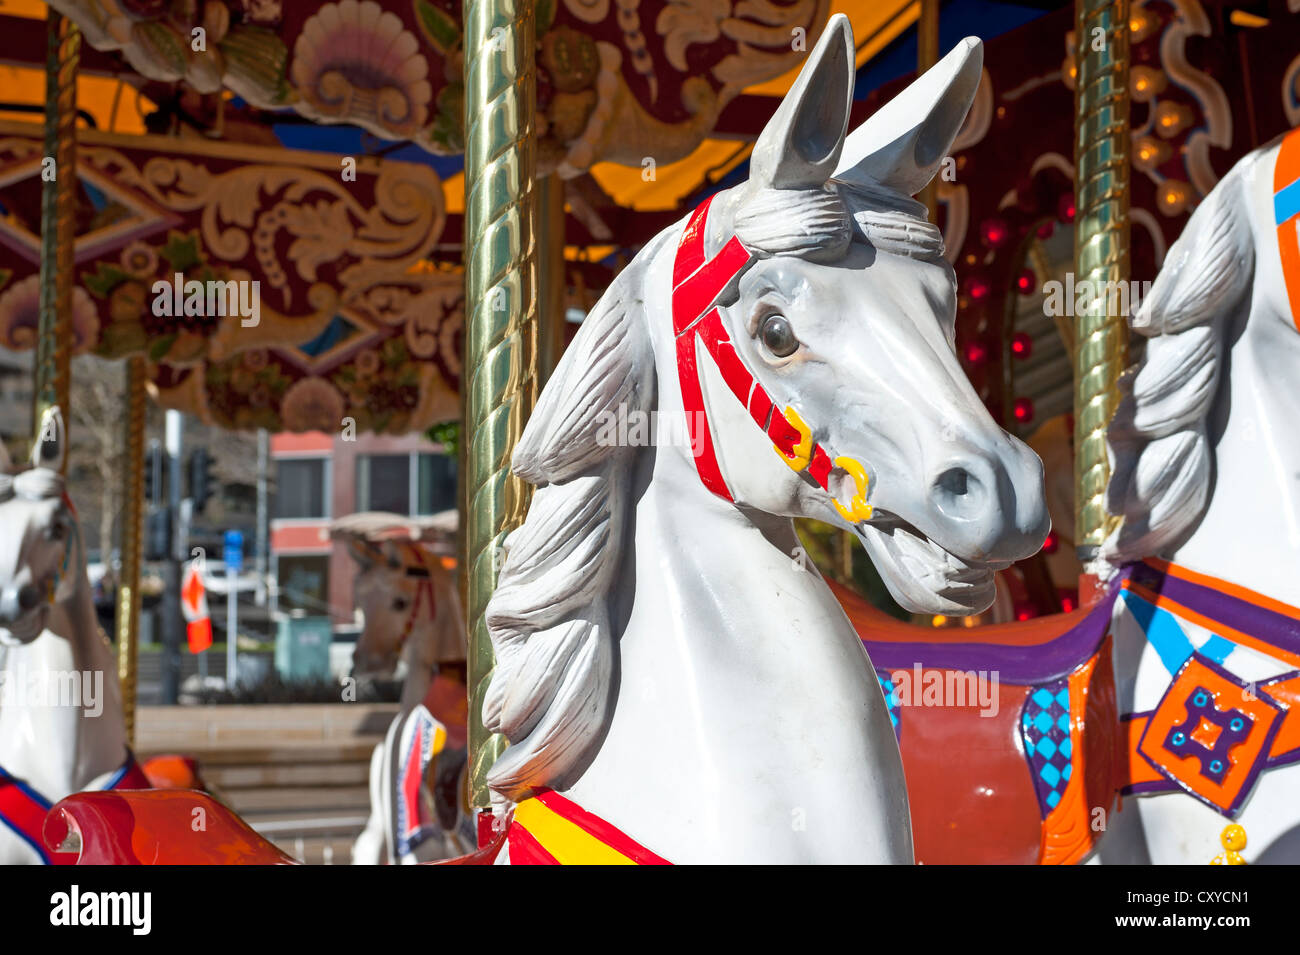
<point x="61" y="727"/>
<point x="675" y="682"/>
<point x="414" y="630"/>
<point x="1207" y="475"/>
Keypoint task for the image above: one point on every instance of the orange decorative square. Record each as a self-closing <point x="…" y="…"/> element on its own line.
<point x="1206" y="733"/>
<point x="1210" y="735"/>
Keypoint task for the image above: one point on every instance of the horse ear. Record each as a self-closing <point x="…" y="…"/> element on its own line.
<point x="360" y="552"/>
<point x="392" y="554"/>
<point x="50" y="449"/>
<point x="801" y="143"/>
<point x="902" y="144"/>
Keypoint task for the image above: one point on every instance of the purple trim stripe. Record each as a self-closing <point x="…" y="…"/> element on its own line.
<point x="1259" y="622"/>
<point x="1021" y="666"/>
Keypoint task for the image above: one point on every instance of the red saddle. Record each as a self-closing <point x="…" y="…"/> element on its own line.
<point x="1007" y="774"/>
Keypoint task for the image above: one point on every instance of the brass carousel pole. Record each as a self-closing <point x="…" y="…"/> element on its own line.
<point x="500" y="375"/>
<point x="550" y="280"/>
<point x="128" y="592"/>
<point x="927" y="54"/>
<point x="1101" y="251"/>
<point x="58" y="213"/>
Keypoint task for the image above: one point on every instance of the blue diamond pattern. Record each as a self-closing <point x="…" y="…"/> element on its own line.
<point x="1045" y="731"/>
<point x="891" y="701"/>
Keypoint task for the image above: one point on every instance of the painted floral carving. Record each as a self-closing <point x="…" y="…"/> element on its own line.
<point x="312" y="404"/>
<point x="20" y="313"/>
<point x="684" y="22"/>
<point x="617" y="79"/>
<point x="354" y="61"/>
<point x="348" y="295"/>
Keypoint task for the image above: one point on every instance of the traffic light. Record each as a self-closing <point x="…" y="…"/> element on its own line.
<point x="202" y="481"/>
<point x="153" y="473"/>
<point x="158" y="534"/>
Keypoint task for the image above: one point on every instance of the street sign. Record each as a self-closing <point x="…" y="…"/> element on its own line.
<point x="194" y="607"/>
<point x="234" y="551"/>
<point x="234" y="557"/>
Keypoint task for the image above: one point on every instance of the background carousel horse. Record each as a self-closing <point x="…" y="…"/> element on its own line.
<point x="61" y="727"/>
<point x="1181" y="687"/>
<point x="414" y="631"/>
<point x="673" y="684"/>
<point x="1207" y="475"/>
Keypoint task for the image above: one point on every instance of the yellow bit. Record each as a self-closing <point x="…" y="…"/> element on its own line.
<point x="858" y="509"/>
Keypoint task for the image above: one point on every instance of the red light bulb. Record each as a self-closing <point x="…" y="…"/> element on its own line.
<point x="993" y="232"/>
<point x="1021" y="345"/>
<point x="1024" y="410"/>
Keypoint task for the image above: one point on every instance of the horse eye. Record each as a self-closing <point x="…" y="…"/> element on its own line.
<point x="778" y="336"/>
<point x="399" y="603"/>
<point x="57" y="530"/>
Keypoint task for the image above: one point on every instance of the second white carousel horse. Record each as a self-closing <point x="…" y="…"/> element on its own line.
<point x="1207" y="452"/>
<point x="414" y="629"/>
<point x="61" y="726"/>
<point x="676" y="683"/>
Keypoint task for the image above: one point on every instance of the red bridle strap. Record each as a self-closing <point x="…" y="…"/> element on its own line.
<point x="698" y="284"/>
<point x="425" y="573"/>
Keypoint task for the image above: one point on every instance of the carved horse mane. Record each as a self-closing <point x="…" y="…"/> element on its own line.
<point x="1159" y="436"/>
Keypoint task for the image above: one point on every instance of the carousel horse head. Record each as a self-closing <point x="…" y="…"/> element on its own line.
<point x="804" y="322"/>
<point x="40" y="536"/>
<point x="800" y="329"/>
<point x="401" y="583"/>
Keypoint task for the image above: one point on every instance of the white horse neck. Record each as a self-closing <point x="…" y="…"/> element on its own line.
<point x="1250" y="532"/>
<point x="435" y="638"/>
<point x="747" y="711"/>
<point x="61" y="749"/>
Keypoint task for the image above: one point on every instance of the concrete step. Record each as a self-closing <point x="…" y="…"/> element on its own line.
<point x="271" y="774"/>
<point x="321" y="799"/>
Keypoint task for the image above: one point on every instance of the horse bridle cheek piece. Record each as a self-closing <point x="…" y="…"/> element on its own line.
<point x="698" y="286"/>
<point x="425" y="583"/>
<point x="52" y="588"/>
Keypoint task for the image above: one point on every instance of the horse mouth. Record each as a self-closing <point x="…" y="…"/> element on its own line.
<point x="921" y="574"/>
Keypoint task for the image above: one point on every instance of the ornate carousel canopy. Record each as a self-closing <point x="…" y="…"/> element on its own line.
<point x="353" y="320"/>
<point x="360" y="294"/>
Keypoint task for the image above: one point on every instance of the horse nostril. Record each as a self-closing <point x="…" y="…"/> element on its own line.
<point x="954" y="482"/>
<point x="961" y="490"/>
<point x="28" y="597"/>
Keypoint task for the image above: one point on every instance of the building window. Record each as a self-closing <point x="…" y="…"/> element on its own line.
<point x="384" y="483"/>
<point x="300" y="488"/>
<point x="436" y="483"/>
<point x="304" y="582"/>
<point x="406" y="484"/>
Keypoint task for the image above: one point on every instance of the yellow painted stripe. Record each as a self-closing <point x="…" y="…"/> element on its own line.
<point x="570" y="844"/>
<point x="439" y="739"/>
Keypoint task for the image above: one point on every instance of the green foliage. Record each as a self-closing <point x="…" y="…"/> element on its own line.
<point x="447" y="434"/>
<point x="438" y="27"/>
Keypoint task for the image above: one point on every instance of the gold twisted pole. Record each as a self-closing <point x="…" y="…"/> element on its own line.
<point x="1101" y="251"/>
<point x="58" y="218"/>
<point x="927" y="54"/>
<point x="501" y="356"/>
<point x="128" y="592"/>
